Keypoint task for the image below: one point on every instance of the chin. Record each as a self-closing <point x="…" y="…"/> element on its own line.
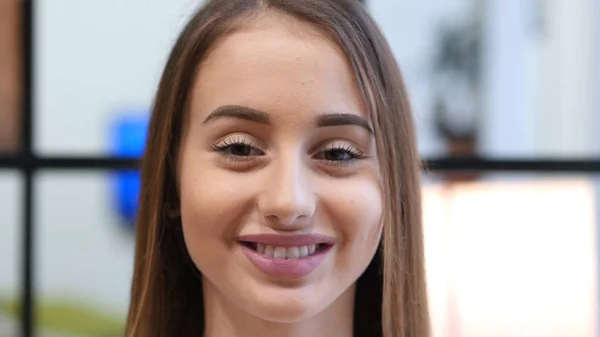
<point x="285" y="305"/>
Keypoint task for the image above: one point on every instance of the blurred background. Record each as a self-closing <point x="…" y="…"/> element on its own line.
<point x="509" y="253"/>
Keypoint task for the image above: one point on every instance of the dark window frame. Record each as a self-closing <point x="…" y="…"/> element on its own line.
<point x="28" y="163"/>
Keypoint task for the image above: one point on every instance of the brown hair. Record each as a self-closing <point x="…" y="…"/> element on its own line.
<point x="391" y="299"/>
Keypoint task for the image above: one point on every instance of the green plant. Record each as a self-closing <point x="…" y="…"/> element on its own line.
<point x="69" y="317"/>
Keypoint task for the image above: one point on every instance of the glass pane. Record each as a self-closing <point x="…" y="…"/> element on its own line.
<point x="10" y="245"/>
<point x="500" y="78"/>
<point x="110" y="74"/>
<point x="10" y="75"/>
<point x="490" y="77"/>
<point x="513" y="255"/>
<point x="85" y="248"/>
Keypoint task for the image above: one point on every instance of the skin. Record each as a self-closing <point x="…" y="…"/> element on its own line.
<point x="288" y="176"/>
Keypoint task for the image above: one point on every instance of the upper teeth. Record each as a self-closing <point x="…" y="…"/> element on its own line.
<point x="286" y="252"/>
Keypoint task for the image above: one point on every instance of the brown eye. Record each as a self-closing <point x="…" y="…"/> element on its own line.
<point x="337" y="155"/>
<point x="240" y="150"/>
<point x="237" y="147"/>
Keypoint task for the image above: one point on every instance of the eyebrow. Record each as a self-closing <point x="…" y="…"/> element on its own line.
<point x="261" y="117"/>
<point x="240" y="112"/>
<point x="340" y="119"/>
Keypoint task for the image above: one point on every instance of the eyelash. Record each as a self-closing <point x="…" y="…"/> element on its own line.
<point x="225" y="147"/>
<point x="347" y="149"/>
<point x="228" y="144"/>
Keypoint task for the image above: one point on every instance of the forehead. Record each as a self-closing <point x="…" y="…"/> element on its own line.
<point x="276" y="62"/>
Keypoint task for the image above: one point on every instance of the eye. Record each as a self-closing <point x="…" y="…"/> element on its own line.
<point x="339" y="153"/>
<point x="237" y="147"/>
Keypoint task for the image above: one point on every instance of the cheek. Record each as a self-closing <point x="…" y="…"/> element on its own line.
<point x="356" y="211"/>
<point x="200" y="209"/>
<point x="212" y="205"/>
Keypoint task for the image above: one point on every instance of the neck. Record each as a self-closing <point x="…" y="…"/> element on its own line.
<point x="225" y="319"/>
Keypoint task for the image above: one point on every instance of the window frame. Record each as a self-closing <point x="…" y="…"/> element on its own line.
<point x="25" y="161"/>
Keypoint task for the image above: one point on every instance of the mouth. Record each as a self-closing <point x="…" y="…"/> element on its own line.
<point x="288" y="252"/>
<point x="286" y="256"/>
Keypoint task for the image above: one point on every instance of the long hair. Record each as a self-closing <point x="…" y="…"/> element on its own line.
<point x="391" y="300"/>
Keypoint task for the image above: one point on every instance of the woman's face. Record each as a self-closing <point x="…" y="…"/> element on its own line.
<point x="281" y="202"/>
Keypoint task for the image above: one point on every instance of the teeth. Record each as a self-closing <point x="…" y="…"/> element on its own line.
<point x="293" y="253"/>
<point x="269" y="250"/>
<point x="280" y="253"/>
<point x="303" y="251"/>
<point x="286" y="252"/>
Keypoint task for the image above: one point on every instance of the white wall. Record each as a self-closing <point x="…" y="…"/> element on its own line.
<point x="93" y="58"/>
<point x="411" y="28"/>
<point x="509" y="82"/>
<point x="538" y="64"/>
<point x="10" y="231"/>
<point x="82" y="252"/>
<point x="566" y="116"/>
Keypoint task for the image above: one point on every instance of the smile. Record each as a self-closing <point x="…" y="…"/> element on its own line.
<point x="286" y="256"/>
<point x="294" y="252"/>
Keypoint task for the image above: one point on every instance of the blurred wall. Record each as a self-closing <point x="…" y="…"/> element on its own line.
<point x="95" y="59"/>
<point x="566" y="114"/>
<point x="412" y="29"/>
<point x="537" y="83"/>
<point x="509" y="65"/>
<point x="10" y="215"/>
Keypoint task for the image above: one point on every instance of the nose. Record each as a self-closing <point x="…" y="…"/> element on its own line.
<point x="288" y="201"/>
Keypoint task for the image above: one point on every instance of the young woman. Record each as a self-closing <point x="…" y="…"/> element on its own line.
<point x="281" y="181"/>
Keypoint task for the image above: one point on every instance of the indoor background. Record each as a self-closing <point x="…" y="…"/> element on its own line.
<point x="507" y="105"/>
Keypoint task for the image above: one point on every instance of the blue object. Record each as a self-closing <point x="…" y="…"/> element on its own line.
<point x="128" y="139"/>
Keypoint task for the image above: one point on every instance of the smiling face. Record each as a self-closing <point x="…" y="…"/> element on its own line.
<point x="281" y="203"/>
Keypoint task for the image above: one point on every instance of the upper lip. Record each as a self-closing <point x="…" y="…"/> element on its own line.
<point x="287" y="240"/>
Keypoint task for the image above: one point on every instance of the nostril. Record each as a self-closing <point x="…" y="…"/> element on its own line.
<point x="272" y="218"/>
<point x="289" y="222"/>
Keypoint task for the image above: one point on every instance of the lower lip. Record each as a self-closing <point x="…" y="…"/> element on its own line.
<point x="285" y="268"/>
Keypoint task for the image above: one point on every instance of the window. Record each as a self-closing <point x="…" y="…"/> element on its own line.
<point x="510" y="170"/>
